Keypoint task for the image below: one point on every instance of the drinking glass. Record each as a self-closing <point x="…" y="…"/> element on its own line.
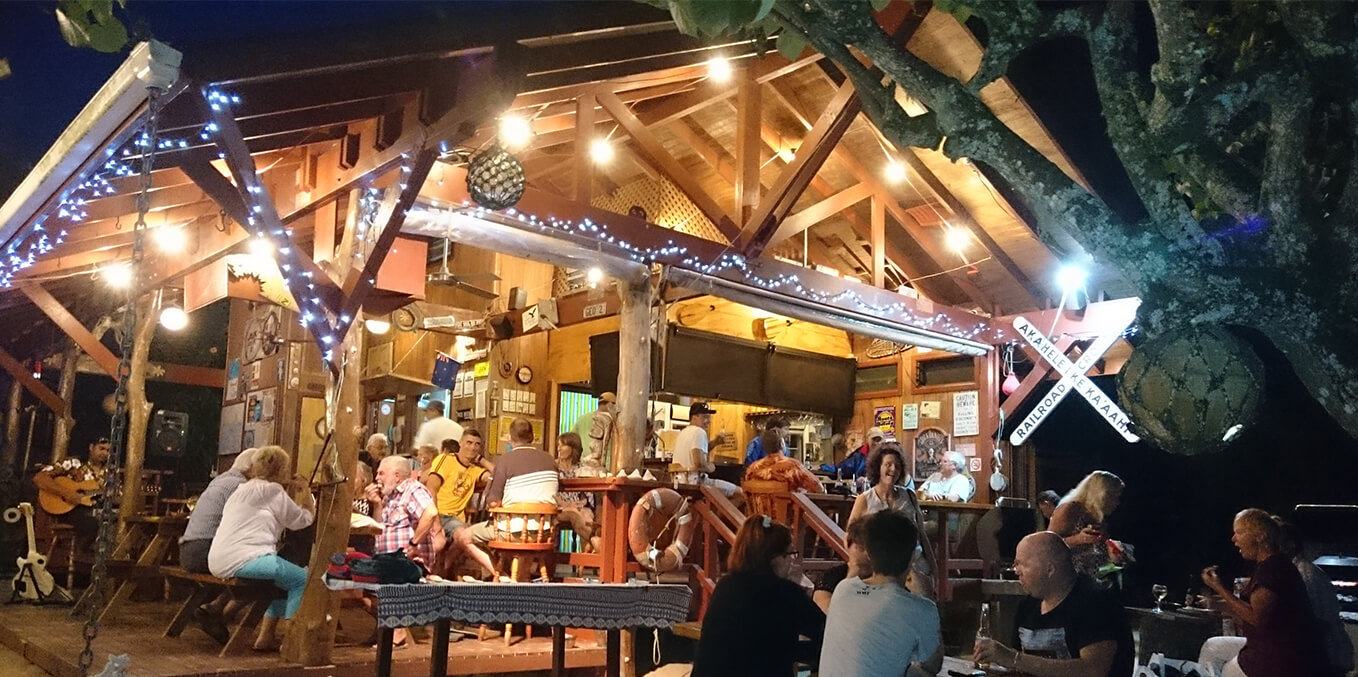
<point x="1159" y="591"/>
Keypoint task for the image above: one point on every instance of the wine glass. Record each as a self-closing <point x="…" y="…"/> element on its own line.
<point x="1159" y="591"/>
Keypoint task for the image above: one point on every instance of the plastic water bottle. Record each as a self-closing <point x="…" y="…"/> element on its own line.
<point x="983" y="631"/>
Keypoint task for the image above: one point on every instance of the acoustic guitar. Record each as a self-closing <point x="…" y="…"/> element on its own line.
<point x="33" y="582"/>
<point x="55" y="504"/>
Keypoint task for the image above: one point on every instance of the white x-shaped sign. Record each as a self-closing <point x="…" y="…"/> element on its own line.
<point x="1072" y="378"/>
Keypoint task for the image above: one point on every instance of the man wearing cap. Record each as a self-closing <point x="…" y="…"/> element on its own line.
<point x="856" y="463"/>
<point x="602" y="433"/>
<point x="690" y="453"/>
<point x="436" y="428"/>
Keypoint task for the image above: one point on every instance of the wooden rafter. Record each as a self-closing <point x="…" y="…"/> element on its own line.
<point x="211" y="182"/>
<point x="654" y="152"/>
<point x="878" y="242"/>
<point x="815" y="148"/>
<point x="748" y="114"/>
<point x="826" y="208"/>
<point x="68" y="323"/>
<point x="24" y="376"/>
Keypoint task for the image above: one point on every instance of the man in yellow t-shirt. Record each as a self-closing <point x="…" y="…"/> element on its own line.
<point x="453" y="477"/>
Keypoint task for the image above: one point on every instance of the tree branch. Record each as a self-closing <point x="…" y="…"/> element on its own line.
<point x="1290" y="237"/>
<point x="1014" y="26"/>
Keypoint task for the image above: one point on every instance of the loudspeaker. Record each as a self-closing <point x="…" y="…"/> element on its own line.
<point x="517" y="298"/>
<point x="500" y="327"/>
<point x="169" y="433"/>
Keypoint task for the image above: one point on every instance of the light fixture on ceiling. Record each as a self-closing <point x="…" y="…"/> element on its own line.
<point x="719" y="69"/>
<point x="1071" y="279"/>
<point x="261" y="247"/>
<point x="117" y="275"/>
<point x="173" y="318"/>
<point x="895" y="171"/>
<point x="957" y="239"/>
<point x="594" y="276"/>
<point x="377" y="326"/>
<point x="169" y="239"/>
<point x="787" y="154"/>
<point x="601" y="151"/>
<point x="515" y="131"/>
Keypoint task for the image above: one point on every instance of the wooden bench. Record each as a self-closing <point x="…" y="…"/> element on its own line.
<point x="256" y="594"/>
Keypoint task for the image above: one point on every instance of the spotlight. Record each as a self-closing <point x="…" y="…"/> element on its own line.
<point x="261" y="247"/>
<point x="515" y="131"/>
<point x="601" y="151"/>
<point x="169" y="239"/>
<point x="719" y="69"/>
<point x="1071" y="277"/>
<point x="957" y="239"/>
<point x="895" y="171"/>
<point x="377" y="327"/>
<point x="117" y="275"/>
<point x="173" y="318"/>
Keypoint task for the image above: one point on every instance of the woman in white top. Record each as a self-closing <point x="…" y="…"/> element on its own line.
<point x="888" y="477"/>
<point x="246" y="544"/>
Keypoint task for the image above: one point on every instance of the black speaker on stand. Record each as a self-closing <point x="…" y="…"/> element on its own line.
<point x="169" y="434"/>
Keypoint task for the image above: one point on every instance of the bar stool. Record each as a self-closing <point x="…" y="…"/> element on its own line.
<point x="525" y="533"/>
<point x="63" y="533"/>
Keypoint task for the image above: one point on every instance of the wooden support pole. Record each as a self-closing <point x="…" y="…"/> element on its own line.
<point x="878" y="242"/>
<point x="64" y="423"/>
<point x="11" y="450"/>
<point x="138" y="407"/>
<point x="311" y="636"/>
<point x="747" y="145"/>
<point x="634" y="373"/>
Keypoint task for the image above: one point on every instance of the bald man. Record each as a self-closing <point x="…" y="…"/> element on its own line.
<point x="1066" y="627"/>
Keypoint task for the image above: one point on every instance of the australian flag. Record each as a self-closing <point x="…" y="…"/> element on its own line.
<point x="445" y="371"/>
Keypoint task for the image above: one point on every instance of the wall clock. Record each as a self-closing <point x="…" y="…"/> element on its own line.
<point x="524" y="375"/>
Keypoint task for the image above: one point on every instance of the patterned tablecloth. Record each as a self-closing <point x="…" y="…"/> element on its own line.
<point x="600" y="606"/>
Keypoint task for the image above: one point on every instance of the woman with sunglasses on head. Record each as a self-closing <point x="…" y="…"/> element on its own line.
<point x="757" y="614"/>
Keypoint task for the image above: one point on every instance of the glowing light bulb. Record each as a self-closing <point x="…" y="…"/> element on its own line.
<point x="1071" y="277"/>
<point x="261" y="247"/>
<point x="515" y="131"/>
<point x="377" y="327"/>
<point x="957" y="239"/>
<point x="169" y="239"/>
<point x="719" y="69"/>
<point x="601" y="151"/>
<point x="174" y="318"/>
<point x="895" y="171"/>
<point x="117" y="275"/>
<point x="594" y="275"/>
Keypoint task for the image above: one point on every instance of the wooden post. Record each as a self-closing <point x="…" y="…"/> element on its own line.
<point x="311" y="636"/>
<point x="988" y="402"/>
<point x="11" y="450"/>
<point x="138" y="408"/>
<point x="64" y="422"/>
<point x="634" y="373"/>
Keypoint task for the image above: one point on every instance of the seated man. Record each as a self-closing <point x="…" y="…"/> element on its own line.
<point x="858" y="566"/>
<point x="690" y="454"/>
<point x="855" y="465"/>
<point x="410" y="520"/>
<point x="86" y="498"/>
<point x="756" y="449"/>
<point x="1066" y="626"/>
<point x="196" y="542"/>
<point x="949" y="483"/>
<point x="452" y="478"/>
<point x="875" y="626"/>
<point x="525" y="474"/>
<point x="776" y="466"/>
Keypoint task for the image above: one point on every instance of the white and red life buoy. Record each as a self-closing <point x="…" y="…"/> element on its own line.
<point x="660" y="529"/>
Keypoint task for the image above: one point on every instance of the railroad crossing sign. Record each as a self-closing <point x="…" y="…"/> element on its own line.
<point x="1072" y="378"/>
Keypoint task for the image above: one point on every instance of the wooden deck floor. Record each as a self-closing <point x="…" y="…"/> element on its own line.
<point x="50" y="639"/>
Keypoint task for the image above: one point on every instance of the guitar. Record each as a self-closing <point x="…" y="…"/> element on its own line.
<point x="54" y="503"/>
<point x="33" y="582"/>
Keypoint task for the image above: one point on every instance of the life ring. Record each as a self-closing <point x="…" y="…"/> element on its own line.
<point x="660" y="515"/>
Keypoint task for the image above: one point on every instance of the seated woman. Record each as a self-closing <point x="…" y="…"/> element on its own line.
<point x="1079" y="520"/>
<point x="950" y="483"/>
<point x="776" y="466"/>
<point x="246" y="545"/>
<point x="1282" y="637"/>
<point x="757" y="614"/>
<point x="886" y="473"/>
<point x="576" y="507"/>
<point x="197" y="541"/>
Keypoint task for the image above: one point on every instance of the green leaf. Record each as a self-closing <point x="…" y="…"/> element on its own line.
<point x="879" y="5"/>
<point x="108" y="37"/>
<point x="74" y="30"/>
<point x="945" y="5"/>
<point x="4" y="68"/>
<point x="102" y="10"/>
<point x="790" y="45"/>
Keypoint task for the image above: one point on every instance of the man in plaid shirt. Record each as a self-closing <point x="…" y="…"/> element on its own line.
<point x="409" y="516"/>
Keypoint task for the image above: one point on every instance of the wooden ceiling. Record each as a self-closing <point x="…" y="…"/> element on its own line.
<point x="778" y="160"/>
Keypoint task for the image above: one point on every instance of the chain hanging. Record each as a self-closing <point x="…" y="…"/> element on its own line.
<point x="108" y="509"/>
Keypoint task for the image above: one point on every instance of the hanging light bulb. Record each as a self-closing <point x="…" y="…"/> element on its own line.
<point x="117" y="275"/>
<point x="174" y="318"/>
<point x="895" y="171"/>
<point x="719" y="69"/>
<point x="601" y="151"/>
<point x="261" y="247"/>
<point x="515" y="131"/>
<point x="594" y="276"/>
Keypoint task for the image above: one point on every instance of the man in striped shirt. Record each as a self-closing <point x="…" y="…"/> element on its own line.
<point x="524" y="474"/>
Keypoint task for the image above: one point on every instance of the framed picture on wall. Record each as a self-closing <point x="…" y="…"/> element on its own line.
<point x="929" y="447"/>
<point x="678" y="413"/>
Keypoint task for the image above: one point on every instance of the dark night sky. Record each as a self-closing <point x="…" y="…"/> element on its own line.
<point x="1177" y="509"/>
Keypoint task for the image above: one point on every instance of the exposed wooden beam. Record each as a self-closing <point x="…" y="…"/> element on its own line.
<point x="24" y="376"/>
<point x="815" y="148"/>
<point x="211" y="182"/>
<point x="748" y="112"/>
<point x="655" y="153"/>
<point x="584" y="136"/>
<point x="67" y="322"/>
<point x="189" y="375"/>
<point x="826" y="208"/>
<point x="878" y="242"/>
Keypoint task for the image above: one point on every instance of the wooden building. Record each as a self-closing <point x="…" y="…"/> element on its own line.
<point x="727" y="196"/>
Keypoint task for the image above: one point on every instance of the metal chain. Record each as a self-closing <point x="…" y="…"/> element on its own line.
<point x="108" y="509"/>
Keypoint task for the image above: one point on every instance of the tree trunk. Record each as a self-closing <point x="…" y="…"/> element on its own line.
<point x="311" y="636"/>
<point x="634" y="375"/>
<point x="64" y="423"/>
<point x="138" y="408"/>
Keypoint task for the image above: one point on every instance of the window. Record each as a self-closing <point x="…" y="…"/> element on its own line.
<point x="877" y="379"/>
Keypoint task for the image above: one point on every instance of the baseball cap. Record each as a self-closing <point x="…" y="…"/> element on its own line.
<point x="876" y="432"/>
<point x="700" y="408"/>
<point x="608" y="397"/>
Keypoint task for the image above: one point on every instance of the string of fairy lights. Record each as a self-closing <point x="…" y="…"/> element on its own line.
<point x="38" y="239"/>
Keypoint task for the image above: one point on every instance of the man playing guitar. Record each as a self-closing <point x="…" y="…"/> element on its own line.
<point x="75" y="487"/>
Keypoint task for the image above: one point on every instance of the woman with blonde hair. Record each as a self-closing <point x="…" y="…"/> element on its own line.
<point x="1079" y="519"/>
<point x="246" y="545"/>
